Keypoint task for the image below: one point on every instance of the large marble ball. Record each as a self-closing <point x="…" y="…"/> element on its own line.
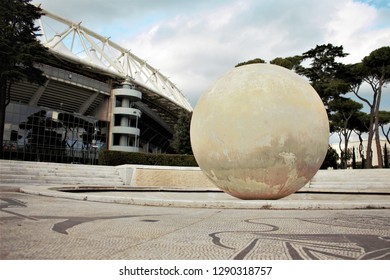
<point x="260" y="132"/>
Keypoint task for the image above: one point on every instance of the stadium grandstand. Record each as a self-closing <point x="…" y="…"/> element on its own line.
<point x="98" y="95"/>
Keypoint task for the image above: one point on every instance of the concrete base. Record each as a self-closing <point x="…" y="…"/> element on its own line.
<point x="165" y="177"/>
<point x="193" y="179"/>
<point x="189" y="187"/>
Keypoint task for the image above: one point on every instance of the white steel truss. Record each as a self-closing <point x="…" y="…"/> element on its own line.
<point x="73" y="42"/>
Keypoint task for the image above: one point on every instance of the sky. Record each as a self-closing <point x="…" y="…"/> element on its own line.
<point x="195" y="42"/>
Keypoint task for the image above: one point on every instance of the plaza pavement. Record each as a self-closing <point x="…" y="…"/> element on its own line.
<point x="180" y="197"/>
<point x="56" y="211"/>
<point x="41" y="222"/>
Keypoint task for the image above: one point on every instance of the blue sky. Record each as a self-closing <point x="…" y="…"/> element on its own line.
<point x="194" y="42"/>
<point x="378" y="3"/>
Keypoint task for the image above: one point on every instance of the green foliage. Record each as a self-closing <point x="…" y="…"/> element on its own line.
<point x="252" y="61"/>
<point x="332" y="79"/>
<point x="114" y="158"/>
<point x="360" y="122"/>
<point x="324" y="73"/>
<point x="331" y="159"/>
<point x="353" y="74"/>
<point x="291" y="62"/>
<point x="342" y="110"/>
<point x="378" y="62"/>
<point x="376" y="72"/>
<point x="19" y="49"/>
<point x="181" y="142"/>
<point x="384" y="119"/>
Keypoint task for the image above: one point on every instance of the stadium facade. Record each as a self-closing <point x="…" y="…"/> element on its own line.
<point x="98" y="96"/>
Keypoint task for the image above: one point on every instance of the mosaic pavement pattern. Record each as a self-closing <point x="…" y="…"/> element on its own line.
<point x="36" y="227"/>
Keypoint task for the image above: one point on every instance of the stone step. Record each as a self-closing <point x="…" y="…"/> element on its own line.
<point x="351" y="180"/>
<point x="356" y="178"/>
<point x="71" y="173"/>
<point x="45" y="173"/>
<point x="366" y="180"/>
<point x="65" y="173"/>
<point x="353" y="173"/>
<point x="24" y="172"/>
<point x="20" y="167"/>
<point x="335" y="186"/>
<point x="54" y="166"/>
<point x="62" y="182"/>
<point x="363" y="182"/>
<point x="353" y="176"/>
<point x="65" y="177"/>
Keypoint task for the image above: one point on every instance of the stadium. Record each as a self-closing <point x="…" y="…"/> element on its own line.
<point x="98" y="96"/>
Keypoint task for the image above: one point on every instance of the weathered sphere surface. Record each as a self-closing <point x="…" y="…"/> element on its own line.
<point x="260" y="132"/>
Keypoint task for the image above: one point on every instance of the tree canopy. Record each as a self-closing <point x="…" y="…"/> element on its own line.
<point x="292" y="62"/>
<point x="375" y="70"/>
<point x="19" y="49"/>
<point x="384" y="119"/>
<point x="343" y="112"/>
<point x="332" y="80"/>
<point x="181" y="141"/>
<point x="324" y="72"/>
<point x="252" y="61"/>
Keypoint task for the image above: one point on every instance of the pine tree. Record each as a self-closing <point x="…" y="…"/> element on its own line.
<point x="19" y="50"/>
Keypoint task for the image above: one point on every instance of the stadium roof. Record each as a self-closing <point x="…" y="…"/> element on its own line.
<point x="86" y="52"/>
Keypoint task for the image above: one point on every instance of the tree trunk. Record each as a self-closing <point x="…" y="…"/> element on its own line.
<point x="5" y="91"/>
<point x="341" y="150"/>
<point x="368" y="163"/>
<point x="345" y="152"/>
<point x="3" y="105"/>
<point x="376" y="127"/>
<point x="347" y="135"/>
<point x="361" y="149"/>
<point x="378" y="148"/>
<point x="2" y="122"/>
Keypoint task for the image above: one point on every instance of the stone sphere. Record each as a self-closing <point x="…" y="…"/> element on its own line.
<point x="260" y="132"/>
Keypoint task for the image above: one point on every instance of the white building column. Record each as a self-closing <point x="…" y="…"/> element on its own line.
<point x="125" y="133"/>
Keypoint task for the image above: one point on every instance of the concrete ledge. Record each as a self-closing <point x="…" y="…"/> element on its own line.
<point x="220" y="200"/>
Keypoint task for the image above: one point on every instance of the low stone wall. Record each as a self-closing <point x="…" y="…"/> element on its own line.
<point x="165" y="177"/>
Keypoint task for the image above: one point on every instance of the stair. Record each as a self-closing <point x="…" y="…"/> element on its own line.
<point x="17" y="173"/>
<point x="357" y="180"/>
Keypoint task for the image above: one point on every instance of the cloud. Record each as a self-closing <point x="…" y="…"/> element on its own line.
<point x="359" y="28"/>
<point x="194" y="42"/>
<point x="196" y="48"/>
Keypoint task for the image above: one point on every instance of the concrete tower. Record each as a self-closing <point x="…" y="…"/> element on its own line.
<point x="124" y="122"/>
